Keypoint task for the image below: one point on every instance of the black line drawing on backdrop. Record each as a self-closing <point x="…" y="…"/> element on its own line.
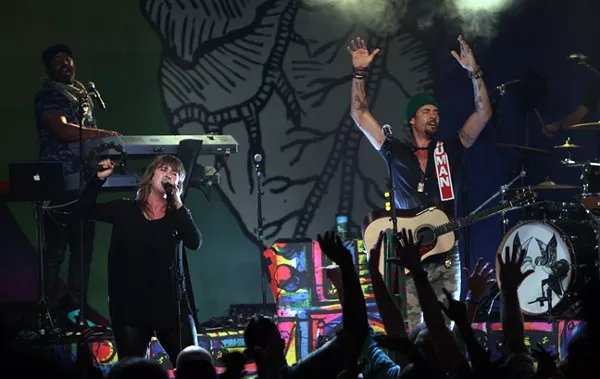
<point x="275" y="74"/>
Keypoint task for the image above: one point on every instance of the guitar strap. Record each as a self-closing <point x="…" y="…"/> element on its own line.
<point x="442" y="171"/>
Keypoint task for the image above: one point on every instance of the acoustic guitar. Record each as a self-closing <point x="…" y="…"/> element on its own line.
<point x="431" y="224"/>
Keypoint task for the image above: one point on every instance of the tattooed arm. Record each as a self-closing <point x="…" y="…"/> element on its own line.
<point x="483" y="108"/>
<point x="477" y="121"/>
<point x="359" y="106"/>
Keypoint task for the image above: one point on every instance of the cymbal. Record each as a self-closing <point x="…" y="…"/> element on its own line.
<point x="567" y="145"/>
<point x="548" y="184"/>
<point x="522" y="149"/>
<point x="590" y="126"/>
<point x="573" y="164"/>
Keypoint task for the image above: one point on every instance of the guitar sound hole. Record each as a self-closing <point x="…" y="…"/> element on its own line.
<point x="427" y="235"/>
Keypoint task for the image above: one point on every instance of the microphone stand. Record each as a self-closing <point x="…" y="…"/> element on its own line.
<point x="176" y="244"/>
<point x="82" y="316"/>
<point x="388" y="155"/>
<point x="188" y="151"/>
<point x="502" y="192"/>
<point x="396" y="272"/>
<point x="259" y="231"/>
<point x="44" y="321"/>
<point x="83" y="102"/>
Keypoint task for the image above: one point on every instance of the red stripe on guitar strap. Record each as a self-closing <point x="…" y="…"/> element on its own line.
<point x="442" y="170"/>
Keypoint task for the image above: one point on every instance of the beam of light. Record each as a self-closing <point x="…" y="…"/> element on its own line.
<point x="476" y="18"/>
<point x="481" y="5"/>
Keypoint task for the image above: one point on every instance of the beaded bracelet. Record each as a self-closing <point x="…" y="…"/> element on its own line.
<point x="359" y="72"/>
<point x="477" y="74"/>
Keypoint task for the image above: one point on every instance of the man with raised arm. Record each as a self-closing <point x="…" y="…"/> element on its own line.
<point x="424" y="170"/>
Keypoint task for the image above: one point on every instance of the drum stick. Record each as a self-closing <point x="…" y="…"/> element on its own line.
<point x="539" y="116"/>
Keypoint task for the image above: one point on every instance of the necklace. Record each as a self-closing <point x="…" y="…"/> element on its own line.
<point x="421" y="185"/>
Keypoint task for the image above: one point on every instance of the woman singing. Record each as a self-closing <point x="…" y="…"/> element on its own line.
<point x="141" y="288"/>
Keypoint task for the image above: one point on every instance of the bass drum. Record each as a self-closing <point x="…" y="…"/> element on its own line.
<point x="557" y="211"/>
<point x="590" y="179"/>
<point x="562" y="256"/>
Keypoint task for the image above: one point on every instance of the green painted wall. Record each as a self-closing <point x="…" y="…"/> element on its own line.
<point x="114" y="47"/>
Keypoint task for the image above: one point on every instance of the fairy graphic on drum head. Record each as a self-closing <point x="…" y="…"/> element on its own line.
<point x="551" y="256"/>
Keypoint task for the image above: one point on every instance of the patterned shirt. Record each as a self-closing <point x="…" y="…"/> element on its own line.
<point x="53" y="96"/>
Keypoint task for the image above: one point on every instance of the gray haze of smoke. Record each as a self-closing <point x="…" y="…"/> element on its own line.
<point x="381" y="16"/>
<point x="474" y="18"/>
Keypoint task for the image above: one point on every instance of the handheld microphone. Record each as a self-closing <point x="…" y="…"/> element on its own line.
<point x="578" y="56"/>
<point x="167" y="186"/>
<point x="387" y="131"/>
<point x="96" y="94"/>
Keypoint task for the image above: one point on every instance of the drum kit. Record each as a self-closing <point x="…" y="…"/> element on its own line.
<point x="561" y="239"/>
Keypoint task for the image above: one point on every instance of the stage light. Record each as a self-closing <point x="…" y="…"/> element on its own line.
<point x="481" y="5"/>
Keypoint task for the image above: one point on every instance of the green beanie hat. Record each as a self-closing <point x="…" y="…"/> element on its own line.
<point x="415" y="102"/>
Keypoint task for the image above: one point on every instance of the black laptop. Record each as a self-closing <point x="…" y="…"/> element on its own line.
<point x="35" y="181"/>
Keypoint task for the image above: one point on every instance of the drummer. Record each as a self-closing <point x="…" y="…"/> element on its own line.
<point x="585" y="111"/>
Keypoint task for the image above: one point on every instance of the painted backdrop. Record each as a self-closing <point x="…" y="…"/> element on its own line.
<point x="275" y="74"/>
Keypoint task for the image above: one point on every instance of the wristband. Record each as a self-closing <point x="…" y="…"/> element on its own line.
<point x="359" y="72"/>
<point x="477" y="74"/>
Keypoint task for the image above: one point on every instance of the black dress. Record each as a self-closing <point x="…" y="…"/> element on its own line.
<point x="140" y="280"/>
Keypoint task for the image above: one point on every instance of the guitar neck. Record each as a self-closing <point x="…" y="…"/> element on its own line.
<point x="460" y="223"/>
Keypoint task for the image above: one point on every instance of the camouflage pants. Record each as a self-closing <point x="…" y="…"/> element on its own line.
<point x="440" y="277"/>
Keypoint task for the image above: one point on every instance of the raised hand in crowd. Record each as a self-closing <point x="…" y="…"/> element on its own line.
<point x="510" y="277"/>
<point x="510" y="273"/>
<point x="343" y="351"/>
<point x="408" y="252"/>
<point x="478" y="282"/>
<point x="333" y="247"/>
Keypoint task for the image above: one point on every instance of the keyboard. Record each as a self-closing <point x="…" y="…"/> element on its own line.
<point x="212" y="144"/>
